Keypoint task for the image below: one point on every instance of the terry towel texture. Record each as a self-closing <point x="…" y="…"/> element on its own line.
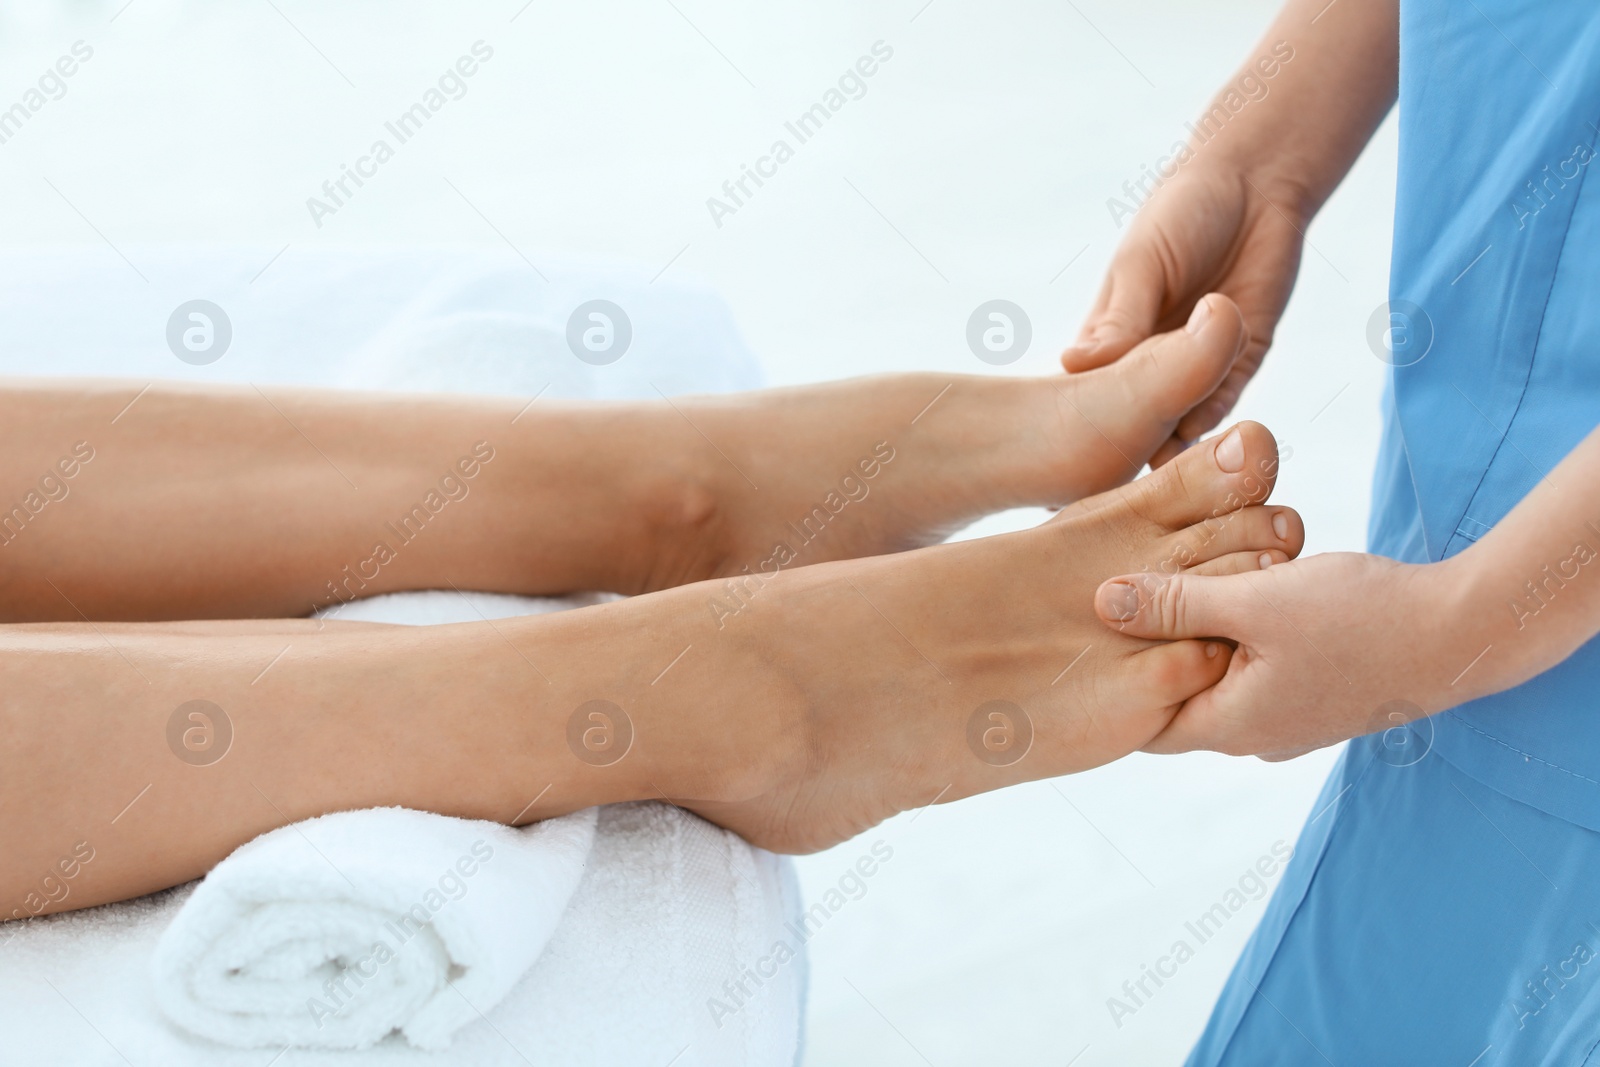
<point x="335" y="931"/>
<point x="669" y="913"/>
<point x="669" y="910"/>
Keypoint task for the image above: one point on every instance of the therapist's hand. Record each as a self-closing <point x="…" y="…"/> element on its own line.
<point x="1212" y="228"/>
<point x="1231" y="218"/>
<point x="1329" y="647"/>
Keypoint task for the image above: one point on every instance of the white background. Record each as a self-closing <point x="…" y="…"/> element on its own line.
<point x="981" y="158"/>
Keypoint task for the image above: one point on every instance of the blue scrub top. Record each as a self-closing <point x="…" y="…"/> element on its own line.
<point x="1495" y="290"/>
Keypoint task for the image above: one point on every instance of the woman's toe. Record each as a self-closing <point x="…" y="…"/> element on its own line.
<point x="1164" y="377"/>
<point x="1250" y="530"/>
<point x="1165" y="675"/>
<point x="1222" y="474"/>
<point x="1242" y="562"/>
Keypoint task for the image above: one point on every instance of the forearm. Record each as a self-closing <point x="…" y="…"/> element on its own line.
<point x="1300" y="128"/>
<point x="1528" y="594"/>
<point x="470" y="720"/>
<point x="122" y="502"/>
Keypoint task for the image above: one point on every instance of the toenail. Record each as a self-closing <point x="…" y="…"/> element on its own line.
<point x="1122" y="601"/>
<point x="1266" y="560"/>
<point x="1280" y="526"/>
<point x="1212" y="648"/>
<point x="1230" y="453"/>
<point x="1198" y="317"/>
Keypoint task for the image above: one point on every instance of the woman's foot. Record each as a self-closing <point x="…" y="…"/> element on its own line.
<point x="864" y="467"/>
<point x="845" y="693"/>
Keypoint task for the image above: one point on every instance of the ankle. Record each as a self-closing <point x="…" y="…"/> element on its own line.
<point x="679" y="517"/>
<point x="634" y="510"/>
<point x="713" y="741"/>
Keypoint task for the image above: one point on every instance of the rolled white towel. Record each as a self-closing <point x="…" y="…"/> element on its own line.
<point x="336" y="931"/>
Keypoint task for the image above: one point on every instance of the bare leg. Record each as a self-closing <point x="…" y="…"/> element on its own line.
<point x="121" y="502"/>
<point x="838" y="695"/>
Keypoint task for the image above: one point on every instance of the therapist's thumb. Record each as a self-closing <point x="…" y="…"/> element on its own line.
<point x="1172" y="607"/>
<point x="1124" y="314"/>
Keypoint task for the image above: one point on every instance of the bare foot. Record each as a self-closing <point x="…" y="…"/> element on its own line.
<point x="868" y="687"/>
<point x="876" y="465"/>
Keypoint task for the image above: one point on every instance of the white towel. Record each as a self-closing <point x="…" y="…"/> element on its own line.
<point x="402" y="318"/>
<point x="674" y="921"/>
<point x="333" y="932"/>
<point x="671" y="915"/>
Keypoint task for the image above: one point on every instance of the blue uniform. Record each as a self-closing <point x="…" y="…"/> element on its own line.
<point x="1443" y="905"/>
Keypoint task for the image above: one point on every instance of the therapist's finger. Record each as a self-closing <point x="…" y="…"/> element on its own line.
<point x="1215" y="720"/>
<point x="1124" y="314"/>
<point x="1288" y="753"/>
<point x="1172" y="607"/>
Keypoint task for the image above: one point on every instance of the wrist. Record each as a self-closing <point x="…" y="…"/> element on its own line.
<point x="1256" y="125"/>
<point x="1470" y="598"/>
<point x="1254" y="157"/>
<point x="1529" y="603"/>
